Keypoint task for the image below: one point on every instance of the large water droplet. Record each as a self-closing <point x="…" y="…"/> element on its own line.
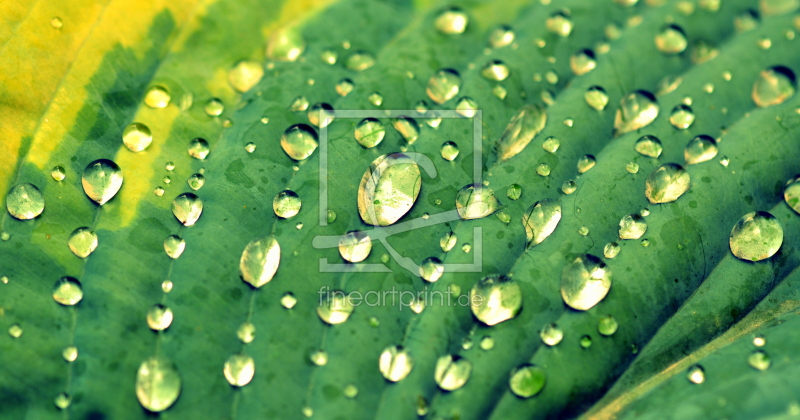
<point x="667" y="183"/>
<point x="336" y="308"/>
<point x="239" y="369"/>
<point x="369" y="132"/>
<point x="541" y="220"/>
<point x="299" y="141"/>
<point x="285" y="45"/>
<point x="596" y="97"/>
<point x="496" y="71"/>
<point x="245" y="74"/>
<point x="355" y="246"/>
<point x="137" y="137"/>
<point x="174" y="246"/>
<point x="636" y="110"/>
<point x="395" y="363"/>
<point x="585" y="282"/>
<point x="443" y="85"/>
<point x="475" y="202"/>
<point x="671" y="40"/>
<point x="158" y="384"/>
<point x="431" y="269"/>
<point x="260" y="260"/>
<point x="25" y="202"/>
<point x="649" y="146"/>
<point x="582" y="62"/>
<point x="286" y="204"/>
<point x="159" y="317"/>
<point x="196" y="181"/>
<point x="67" y="291"/>
<point x="756" y="236"/>
<point x="632" y="226"/>
<point x="551" y="334"/>
<point x="773" y="86"/>
<point x="408" y="128"/>
<point x="527" y="381"/>
<point x="451" y="21"/>
<point x="157" y="97"/>
<point x="101" y="180"/>
<point x="321" y="115"/>
<point x="700" y="149"/>
<point x="187" y="208"/>
<point x="682" y="117"/>
<point x="452" y="372"/>
<point x="522" y="128"/>
<point x="388" y="189"/>
<point x="585" y="163"/>
<point x="495" y="299"/>
<point x="560" y="23"/>
<point x="792" y="195"/>
<point x="199" y="149"/>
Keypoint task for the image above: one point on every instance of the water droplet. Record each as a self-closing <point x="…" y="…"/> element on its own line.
<point x="245" y="74"/>
<point x="286" y="204"/>
<point x="355" y="246"/>
<point x="551" y="144"/>
<point x="250" y="147"/>
<point x="527" y="381"/>
<point x="666" y="183"/>
<point x="431" y="269"/>
<point x="350" y="391"/>
<point x="585" y="282"/>
<point x="649" y="146"/>
<point x="319" y="357"/>
<point x="388" y="189"/>
<point x="682" y="117"/>
<point x="25" y="202"/>
<point x="67" y="291"/>
<point x="759" y="341"/>
<point x="443" y="85"/>
<point x="239" y="369"/>
<point x="369" y="132"/>
<point x="500" y="92"/>
<point x="583" y="231"/>
<point x="395" y="363"/>
<point x="56" y="22"/>
<point x="700" y="149"/>
<point x="70" y="354"/>
<point x="82" y="242"/>
<point x="696" y="374"/>
<point x="157" y="97"/>
<point x="522" y="128"/>
<point x="159" y="317"/>
<point x="62" y="401"/>
<point x="187" y="208"/>
<point x="452" y="21"/>
<point x="408" y="128"/>
<point x="792" y="195"/>
<point x="285" y="45"/>
<point x="260" y="260"/>
<point x="299" y="141"/>
<point x="596" y="97"/>
<point x="448" y="241"/>
<point x="344" y="87"/>
<point x="541" y="220"/>
<point x="585" y="163"/>
<point x="449" y="150"/>
<point x="174" y="246"/>
<point x="475" y="202"/>
<point x="776" y="7"/>
<point x="299" y="103"/>
<point x="375" y="98"/>
<point x="15" y="331"/>
<point x="671" y="40"/>
<point x="452" y="372"/>
<point x="487" y="343"/>
<point x="198" y="148"/>
<point x="560" y="23"/>
<point x="158" y="384"/>
<point x="551" y="77"/>
<point x="582" y="62"/>
<point x="329" y="57"/>
<point x="58" y="173"/>
<point x="632" y="167"/>
<point x="214" y="107"/>
<point x="495" y="299"/>
<point x="496" y="71"/>
<point x="611" y="250"/>
<point x="166" y="286"/>
<point x="756" y="236"/>
<point x="607" y="325"/>
<point x="586" y="342"/>
<point x="543" y="169"/>
<point x="321" y="115"/>
<point x="773" y="86"/>
<point x="569" y="187"/>
<point x="4" y="236"/>
<point x="307" y="411"/>
<point x="137" y="137"/>
<point x="158" y="191"/>
<point x="632" y="226"/>
<point x="360" y="61"/>
<point x="636" y="110"/>
<point x="196" y="181"/>
<point x="501" y="36"/>
<point x="101" y="180"/>
<point x="246" y="332"/>
<point x="467" y="107"/>
<point x="336" y="308"/>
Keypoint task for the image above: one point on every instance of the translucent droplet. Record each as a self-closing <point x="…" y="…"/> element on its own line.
<point x="299" y="103"/>
<point x="596" y="97"/>
<point x="776" y="7"/>
<point x="56" y="22"/>
<point x="448" y="241"/>
<point x="611" y="250"/>
<point x="682" y="117"/>
<point x="62" y="400"/>
<point x="408" y="128"/>
<point x="360" y="61"/>
<point x="157" y="97"/>
<point x="321" y="115"/>
<point x="666" y="183"/>
<point x="585" y="282"/>
<point x="431" y="269"/>
<point x="756" y="236"/>
<point x="286" y="204"/>
<point x="25" y="202"/>
<point x="475" y="202"/>
<point x="299" y="141"/>
<point x="495" y="299"/>
<point x="174" y="246"/>
<point x="245" y="74"/>
<point x="467" y="107"/>
<point x="58" y="173"/>
<point x="196" y="181"/>
<point x="388" y="189"/>
<point x="501" y="36"/>
<point x="336" y="308"/>
<point x="487" y="343"/>
<point x="369" y="132"/>
<point x="649" y="146"/>
<point x="746" y="21"/>
<point x="632" y="167"/>
<point x="67" y="291"/>
<point x="451" y="21"/>
<point x="319" y="358"/>
<point x="288" y="300"/>
<point x="449" y="150"/>
<point x="500" y="92"/>
<point x="700" y="149"/>
<point x="15" y="331"/>
<point x="158" y="384"/>
<point x="198" y="148"/>
<point x="158" y="191"/>
<point x="636" y="110"/>
<point x="774" y="86"/>
<point x="607" y="325"/>
<point x="585" y="163"/>
<point x="331" y="216"/>
<point x="101" y="180"/>
<point x="586" y="342"/>
<point x="82" y="242"/>
<point x="187" y="208"/>
<point x="522" y="128"/>
<point x="355" y="246"/>
<point x="443" y="85"/>
<point x="792" y="195"/>
<point x="560" y="23"/>
<point x="543" y="169"/>
<point x="285" y="45"/>
<point x="159" y="317"/>
<point x="70" y="354"/>
<point x="496" y="71"/>
<point x="541" y="220"/>
<point x="452" y="372"/>
<point x="569" y="187"/>
<point x="137" y="137"/>
<point x="527" y="381"/>
<point x="166" y="286"/>
<point x="632" y="226"/>
<point x="696" y="374"/>
<point x="759" y="360"/>
<point x="671" y="40"/>
<point x="239" y="369"/>
<point x="395" y="363"/>
<point x="214" y="107"/>
<point x="759" y="341"/>
<point x="583" y="231"/>
<point x="582" y="62"/>
<point x="375" y="98"/>
<point x="260" y="260"/>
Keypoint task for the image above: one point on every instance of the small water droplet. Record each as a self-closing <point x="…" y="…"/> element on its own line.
<point x="336" y="308"/>
<point x="187" y="208"/>
<point x="649" y="146"/>
<point x="67" y="291"/>
<point x="350" y="391"/>
<point x="582" y="62"/>
<point x="321" y="115"/>
<point x="286" y="204"/>
<point x="759" y="360"/>
<point x="632" y="226"/>
<point x="431" y="269"/>
<point x="329" y="57"/>
<point x="62" y="401"/>
<point x="395" y="363"/>
<point x="586" y="342"/>
<point x="56" y="22"/>
<point x="157" y="97"/>
<point x="585" y="282"/>
<point x="467" y="107"/>
<point x="700" y="149"/>
<point x="344" y="87"/>
<point x="375" y="98"/>
<point x="611" y="250"/>
<point x="495" y="299"/>
<point x="158" y="384"/>
<point x="70" y="354"/>
<point x="451" y="21"/>
<point x="500" y="92"/>
<point x="583" y="231"/>
<point x="443" y="86"/>
<point x="452" y="372"/>
<point x="527" y="381"/>
<point x="288" y="300"/>
<point x="696" y="374"/>
<point x="159" y="317"/>
<point x="299" y="103"/>
<point x="360" y="61"/>
<point x="407" y="127"/>
<point x="285" y="45"/>
<point x="543" y="169"/>
<point x="666" y="183"/>
<point x="82" y="242"/>
<point x="636" y="110"/>
<point x="671" y="40"/>
<point x="239" y="369"/>
<point x="449" y="150"/>
<point x="137" y="137"/>
<point x="475" y="202"/>
<point x="596" y="97"/>
<point x="214" y="107"/>
<point x="245" y="74"/>
<point x="496" y="71"/>
<point x="541" y="220"/>
<point x="15" y="331"/>
<point x="632" y="167"/>
<point x="466" y="248"/>
<point x="569" y="187"/>
<point x="756" y="236"/>
<point x="682" y="117"/>
<point x="607" y="325"/>
<point x="319" y="357"/>
<point x="250" y="147"/>
<point x="448" y="241"/>
<point x="522" y="128"/>
<point x="369" y="132"/>
<point x="196" y="181"/>
<point x="355" y="246"/>
<point x="792" y="195"/>
<point x="773" y="86"/>
<point x="501" y="36"/>
<point x="299" y="141"/>
<point x="487" y="343"/>
<point x="260" y="260"/>
<point x="166" y="286"/>
<point x="174" y="246"/>
<point x="759" y="341"/>
<point x="585" y="163"/>
<point x="560" y="23"/>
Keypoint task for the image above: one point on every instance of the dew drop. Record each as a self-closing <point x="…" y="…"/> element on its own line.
<point x="56" y="22"/>
<point x="773" y="86"/>
<point x="756" y="236"/>
<point x="560" y="23"/>
<point x="388" y="189"/>
<point x="759" y="360"/>
<point x="286" y="204"/>
<point x="467" y="107"/>
<point x="607" y="325"/>
<point x="67" y="291"/>
<point x="541" y="220"/>
<point x="174" y="246"/>
<point x="214" y="107"/>
<point x="158" y="384"/>
<point x="792" y="195"/>
<point x="321" y="115"/>
<point x="288" y="300"/>
<point x="245" y="74"/>
<point x="636" y="110"/>
<point x="329" y="57"/>
<point x="70" y="354"/>
<point x="682" y="117"/>
<point x="408" y="128"/>
<point x="137" y="137"/>
<point x="522" y="128"/>
<point x="759" y="341"/>
<point x="671" y="40"/>
<point x="448" y="241"/>
<point x="585" y="282"/>
<point x="360" y="61"/>
<point x="395" y="363"/>
<point x="696" y="374"/>
<point x="452" y="372"/>
<point x="285" y="45"/>
<point x="495" y="299"/>
<point x="369" y="132"/>
<point x="585" y="163"/>
<point x="596" y="97"/>
<point x="496" y="71"/>
<point x="700" y="149"/>
<point x="500" y="92"/>
<point x="196" y="181"/>
<point x="319" y="358"/>
<point x="487" y="343"/>
<point x="375" y="98"/>
<point x="159" y="317"/>
<point x="666" y="183"/>
<point x="299" y="103"/>
<point x="101" y="180"/>
<point x="649" y="146"/>
<point x="239" y="369"/>
<point x="451" y="21"/>
<point x="198" y="148"/>
<point x="166" y="286"/>
<point x="187" y="208"/>
<point x="355" y="246"/>
<point x="501" y="36"/>
<point x="527" y="381"/>
<point x="25" y="202"/>
<point x="63" y="401"/>
<point x="475" y="202"/>
<point x="299" y="141"/>
<point x="611" y="250"/>
<point x="569" y="187"/>
<point x="336" y="308"/>
<point x="157" y="97"/>
<point x="260" y="260"/>
<point x="58" y="173"/>
<point x="443" y="85"/>
<point x="431" y="269"/>
<point x="582" y="62"/>
<point x="586" y="342"/>
<point x="632" y="226"/>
